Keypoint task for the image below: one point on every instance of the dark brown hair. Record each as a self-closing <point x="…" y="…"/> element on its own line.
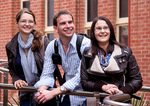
<point x="37" y="41"/>
<point x="62" y="12"/>
<point x="112" y="40"/>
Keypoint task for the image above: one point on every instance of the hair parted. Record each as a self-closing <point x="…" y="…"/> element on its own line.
<point x="22" y="11"/>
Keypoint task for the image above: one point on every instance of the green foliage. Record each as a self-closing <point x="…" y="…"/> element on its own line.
<point x="140" y="102"/>
<point x="10" y="104"/>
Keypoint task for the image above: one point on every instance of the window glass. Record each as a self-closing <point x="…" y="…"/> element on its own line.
<point x="123" y="34"/>
<point x="123" y="7"/>
<point x="50" y="36"/>
<point x="50" y="12"/>
<point x="88" y="32"/>
<point x="26" y="4"/>
<point x="91" y="9"/>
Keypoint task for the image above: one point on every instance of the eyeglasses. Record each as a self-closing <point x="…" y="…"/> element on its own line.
<point x="25" y="22"/>
<point x="98" y="29"/>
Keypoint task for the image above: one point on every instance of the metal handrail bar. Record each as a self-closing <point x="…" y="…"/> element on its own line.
<point x="145" y="89"/>
<point x="112" y="100"/>
<point x="4" y="70"/>
<point x="32" y="89"/>
<point x="3" y="63"/>
<point x="11" y="87"/>
<point x="3" y="60"/>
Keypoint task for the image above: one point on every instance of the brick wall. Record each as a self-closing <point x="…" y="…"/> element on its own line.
<point x="38" y="7"/>
<point x="140" y="37"/>
<point x="139" y="34"/>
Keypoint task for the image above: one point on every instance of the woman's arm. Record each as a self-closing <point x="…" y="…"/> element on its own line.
<point x="133" y="76"/>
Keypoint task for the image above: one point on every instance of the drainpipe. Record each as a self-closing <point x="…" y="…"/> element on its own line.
<point x="76" y="15"/>
<point x="129" y="4"/>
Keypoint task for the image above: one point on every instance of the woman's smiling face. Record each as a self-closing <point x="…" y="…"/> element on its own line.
<point x="102" y="32"/>
<point x="26" y="23"/>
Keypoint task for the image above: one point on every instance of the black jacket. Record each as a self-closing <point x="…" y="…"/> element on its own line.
<point x="122" y="71"/>
<point x="11" y="49"/>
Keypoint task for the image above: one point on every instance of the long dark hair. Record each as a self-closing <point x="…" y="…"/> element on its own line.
<point x="112" y="40"/>
<point x="37" y="41"/>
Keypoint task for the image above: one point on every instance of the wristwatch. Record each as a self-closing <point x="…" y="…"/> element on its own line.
<point x="62" y="89"/>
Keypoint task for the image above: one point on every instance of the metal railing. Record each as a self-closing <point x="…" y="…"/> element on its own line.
<point x="4" y="71"/>
<point x="111" y="100"/>
<point x="94" y="101"/>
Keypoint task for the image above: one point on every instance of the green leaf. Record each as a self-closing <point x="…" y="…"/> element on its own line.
<point x="140" y="102"/>
<point x="15" y="100"/>
<point x="10" y="103"/>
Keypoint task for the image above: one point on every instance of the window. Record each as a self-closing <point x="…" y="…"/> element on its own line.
<point x="90" y="6"/>
<point x="49" y="13"/>
<point x="25" y="4"/>
<point x="123" y="34"/>
<point x="122" y="21"/>
<point x="50" y="36"/>
<point x="91" y="10"/>
<point x="123" y="8"/>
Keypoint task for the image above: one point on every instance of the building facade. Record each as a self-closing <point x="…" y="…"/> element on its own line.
<point x="130" y="18"/>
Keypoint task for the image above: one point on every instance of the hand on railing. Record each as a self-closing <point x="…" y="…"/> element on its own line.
<point x="20" y="83"/>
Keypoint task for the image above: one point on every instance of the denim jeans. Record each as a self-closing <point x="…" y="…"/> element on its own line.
<point x="66" y="101"/>
<point x="27" y="99"/>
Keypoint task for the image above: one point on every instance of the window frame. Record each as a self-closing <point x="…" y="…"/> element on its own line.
<point x="120" y="21"/>
<point x="48" y="29"/>
<point x="87" y="25"/>
<point x="21" y="3"/>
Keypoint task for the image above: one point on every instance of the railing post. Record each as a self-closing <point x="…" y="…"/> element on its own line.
<point x="5" y="95"/>
<point x="91" y="101"/>
<point x="97" y="95"/>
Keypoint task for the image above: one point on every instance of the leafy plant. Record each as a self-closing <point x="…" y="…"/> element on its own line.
<point x="14" y="101"/>
<point x="140" y="102"/>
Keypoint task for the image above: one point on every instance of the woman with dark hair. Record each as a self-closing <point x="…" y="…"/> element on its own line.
<point x="108" y="66"/>
<point x="25" y="54"/>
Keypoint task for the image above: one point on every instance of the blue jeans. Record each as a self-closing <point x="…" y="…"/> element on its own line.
<point x="66" y="101"/>
<point x="27" y="99"/>
<point x="84" y="103"/>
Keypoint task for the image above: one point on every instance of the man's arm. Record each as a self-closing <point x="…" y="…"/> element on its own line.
<point x="47" y="77"/>
<point x="45" y="95"/>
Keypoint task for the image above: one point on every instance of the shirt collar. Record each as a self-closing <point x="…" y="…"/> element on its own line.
<point x="72" y="42"/>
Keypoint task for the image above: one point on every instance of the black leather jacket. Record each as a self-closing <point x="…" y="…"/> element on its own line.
<point x="122" y="71"/>
<point x="11" y="49"/>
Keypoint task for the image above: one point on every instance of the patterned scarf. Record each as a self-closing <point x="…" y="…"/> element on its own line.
<point x="104" y="61"/>
<point x="27" y="61"/>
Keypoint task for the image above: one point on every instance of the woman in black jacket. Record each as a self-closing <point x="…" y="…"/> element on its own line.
<point x="108" y="66"/>
<point x="25" y="54"/>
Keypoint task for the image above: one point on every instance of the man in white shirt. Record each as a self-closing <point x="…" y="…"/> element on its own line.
<point x="64" y="25"/>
